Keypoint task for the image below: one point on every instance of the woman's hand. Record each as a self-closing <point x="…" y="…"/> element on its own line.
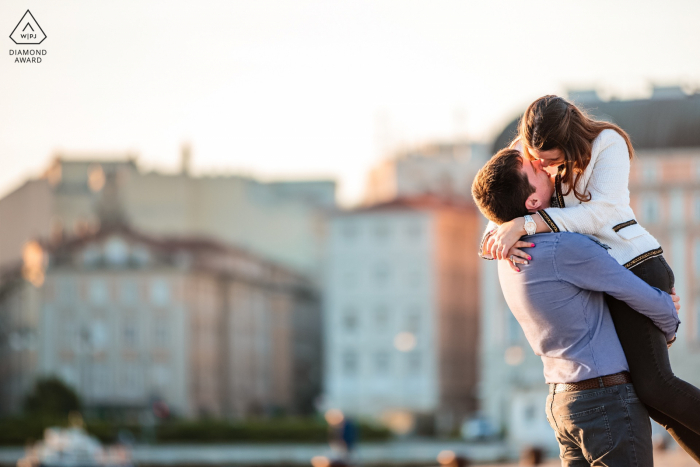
<point x="519" y="256"/>
<point x="503" y="239"/>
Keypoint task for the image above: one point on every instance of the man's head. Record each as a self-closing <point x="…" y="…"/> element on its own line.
<point x="510" y="186"/>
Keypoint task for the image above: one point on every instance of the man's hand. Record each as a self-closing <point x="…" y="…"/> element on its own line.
<point x="504" y="238"/>
<point x="676" y="300"/>
<point x="677" y="303"/>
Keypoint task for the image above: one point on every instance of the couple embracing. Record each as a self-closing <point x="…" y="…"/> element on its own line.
<point x="588" y="285"/>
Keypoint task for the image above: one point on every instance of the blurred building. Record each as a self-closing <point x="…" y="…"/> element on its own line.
<point x="445" y="169"/>
<point x="128" y="319"/>
<point x="278" y="220"/>
<point x="665" y="196"/>
<point x="401" y="311"/>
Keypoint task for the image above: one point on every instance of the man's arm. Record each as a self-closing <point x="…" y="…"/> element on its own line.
<point x="583" y="263"/>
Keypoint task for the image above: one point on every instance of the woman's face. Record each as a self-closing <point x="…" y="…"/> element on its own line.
<point x="551" y="158"/>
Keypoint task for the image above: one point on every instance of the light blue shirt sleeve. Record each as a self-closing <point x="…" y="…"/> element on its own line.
<point x="585" y="264"/>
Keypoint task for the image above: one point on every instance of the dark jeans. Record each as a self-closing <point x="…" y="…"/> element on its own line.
<point x="671" y="402"/>
<point x="601" y="427"/>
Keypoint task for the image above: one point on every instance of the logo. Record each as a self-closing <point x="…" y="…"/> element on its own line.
<point x="28" y="31"/>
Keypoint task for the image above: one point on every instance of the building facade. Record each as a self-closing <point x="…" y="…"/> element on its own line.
<point x="128" y="319"/>
<point x="401" y="311"/>
<point x="445" y="170"/>
<point x="665" y="196"/>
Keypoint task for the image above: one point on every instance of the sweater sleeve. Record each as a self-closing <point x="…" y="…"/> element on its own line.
<point x="490" y="227"/>
<point x="608" y="188"/>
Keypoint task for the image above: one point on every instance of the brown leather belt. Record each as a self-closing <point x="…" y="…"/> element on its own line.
<point x="594" y="383"/>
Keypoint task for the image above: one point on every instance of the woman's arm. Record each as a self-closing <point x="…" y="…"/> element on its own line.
<point x="499" y="243"/>
<point x="608" y="188"/>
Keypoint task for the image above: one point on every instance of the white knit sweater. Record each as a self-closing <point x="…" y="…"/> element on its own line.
<point x="608" y="216"/>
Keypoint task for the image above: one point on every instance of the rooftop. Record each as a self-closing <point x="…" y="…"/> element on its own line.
<point x="668" y="119"/>
<point x="424" y="202"/>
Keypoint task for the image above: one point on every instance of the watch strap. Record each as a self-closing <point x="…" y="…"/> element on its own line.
<point x="530" y="222"/>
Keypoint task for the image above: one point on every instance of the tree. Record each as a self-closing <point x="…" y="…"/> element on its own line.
<point x="51" y="397"/>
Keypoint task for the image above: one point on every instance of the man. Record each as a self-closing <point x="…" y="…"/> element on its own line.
<point x="558" y="299"/>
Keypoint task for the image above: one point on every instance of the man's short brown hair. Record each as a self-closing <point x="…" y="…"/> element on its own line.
<point x="500" y="188"/>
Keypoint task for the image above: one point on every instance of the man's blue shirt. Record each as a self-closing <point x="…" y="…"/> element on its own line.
<point x="559" y="301"/>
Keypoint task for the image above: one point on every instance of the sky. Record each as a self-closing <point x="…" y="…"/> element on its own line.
<point x="314" y="89"/>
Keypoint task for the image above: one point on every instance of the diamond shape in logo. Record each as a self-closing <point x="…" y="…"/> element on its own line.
<point x="28" y="31"/>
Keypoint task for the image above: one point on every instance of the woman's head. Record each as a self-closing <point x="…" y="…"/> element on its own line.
<point x="557" y="132"/>
<point x="544" y="129"/>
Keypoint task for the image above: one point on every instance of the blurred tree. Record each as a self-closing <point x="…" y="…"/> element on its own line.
<point x="51" y="397"/>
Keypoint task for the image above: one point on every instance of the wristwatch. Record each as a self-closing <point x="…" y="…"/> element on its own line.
<point x="530" y="225"/>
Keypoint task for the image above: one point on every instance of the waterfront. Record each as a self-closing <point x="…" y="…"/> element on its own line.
<point x="395" y="454"/>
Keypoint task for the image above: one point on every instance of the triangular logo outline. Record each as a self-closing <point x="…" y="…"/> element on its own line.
<point x="39" y="37"/>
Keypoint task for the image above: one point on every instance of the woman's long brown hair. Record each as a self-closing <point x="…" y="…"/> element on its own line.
<point x="551" y="122"/>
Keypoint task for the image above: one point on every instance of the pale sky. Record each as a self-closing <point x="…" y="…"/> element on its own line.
<point x="299" y="89"/>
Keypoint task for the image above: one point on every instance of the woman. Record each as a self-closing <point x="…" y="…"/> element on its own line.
<point x="590" y="161"/>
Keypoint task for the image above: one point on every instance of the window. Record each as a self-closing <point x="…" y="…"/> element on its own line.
<point x="349" y="362"/>
<point x="413" y="360"/>
<point x="99" y="381"/>
<point x="514" y="332"/>
<point x="413" y="322"/>
<point x="116" y="251"/>
<point x="413" y="279"/>
<point x="676" y="206"/>
<point x="414" y="230"/>
<point x="161" y="376"/>
<point x="696" y="208"/>
<point x="69" y="375"/>
<point x="69" y="334"/>
<point x="67" y="290"/>
<point x="129" y="292"/>
<point x="99" y="292"/>
<point x="99" y="335"/>
<point x="381" y="362"/>
<point x="349" y="280"/>
<point x="382" y="231"/>
<point x="91" y="255"/>
<point x="530" y="412"/>
<point x="130" y="335"/>
<point x="651" y="208"/>
<point x="381" y="315"/>
<point x="650" y="171"/>
<point x="381" y="275"/>
<point x="141" y="255"/>
<point x="132" y="380"/>
<point x="160" y="334"/>
<point x="349" y="230"/>
<point x="350" y="319"/>
<point x="160" y="292"/>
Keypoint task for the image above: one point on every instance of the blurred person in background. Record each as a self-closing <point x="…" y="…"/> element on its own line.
<point x="589" y="162"/>
<point x="559" y="301"/>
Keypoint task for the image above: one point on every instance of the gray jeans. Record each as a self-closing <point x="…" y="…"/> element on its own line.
<point x="601" y="427"/>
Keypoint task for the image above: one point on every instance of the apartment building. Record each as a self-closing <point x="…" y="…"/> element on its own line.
<point x="401" y="311"/>
<point x="128" y="319"/>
